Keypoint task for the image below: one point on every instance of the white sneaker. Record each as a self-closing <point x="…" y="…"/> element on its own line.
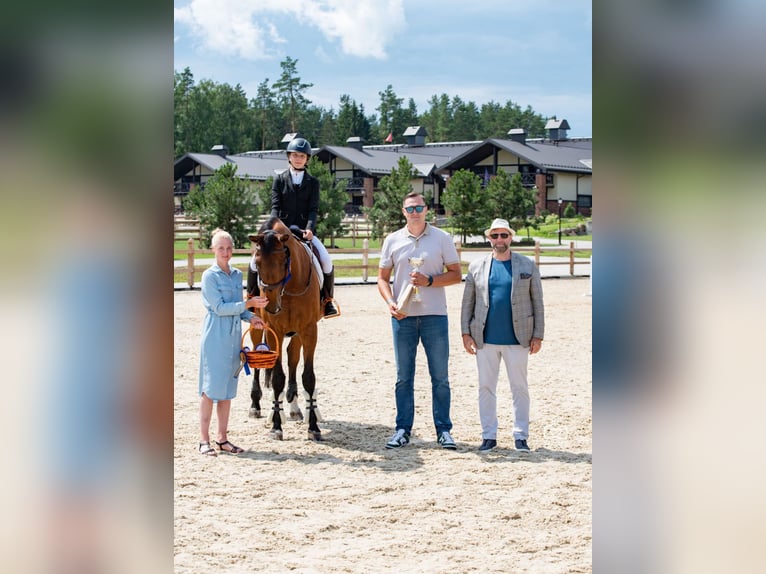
<point x="446" y="440"/>
<point x="400" y="438"/>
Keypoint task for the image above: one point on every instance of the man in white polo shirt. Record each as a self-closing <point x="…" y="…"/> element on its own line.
<point x="418" y="255"/>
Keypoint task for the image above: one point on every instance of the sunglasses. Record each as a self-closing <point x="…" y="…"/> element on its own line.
<point x="501" y="235"/>
<point x="411" y="208"/>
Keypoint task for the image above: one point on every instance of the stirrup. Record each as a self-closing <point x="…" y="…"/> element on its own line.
<point x="324" y="307"/>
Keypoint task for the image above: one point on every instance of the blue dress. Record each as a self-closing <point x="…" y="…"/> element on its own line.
<point x="221" y="332"/>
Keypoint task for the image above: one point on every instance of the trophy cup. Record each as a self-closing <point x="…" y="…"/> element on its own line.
<point x="416" y="263"/>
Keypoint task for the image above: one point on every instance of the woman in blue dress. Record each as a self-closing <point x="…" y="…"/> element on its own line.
<point x="221" y="340"/>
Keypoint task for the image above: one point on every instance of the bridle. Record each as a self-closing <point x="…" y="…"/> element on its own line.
<point x="279" y="284"/>
<point x="282" y="284"/>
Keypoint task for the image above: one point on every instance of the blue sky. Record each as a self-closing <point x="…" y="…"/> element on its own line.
<point x="533" y="52"/>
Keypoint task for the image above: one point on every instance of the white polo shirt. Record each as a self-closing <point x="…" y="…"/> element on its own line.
<point x="436" y="248"/>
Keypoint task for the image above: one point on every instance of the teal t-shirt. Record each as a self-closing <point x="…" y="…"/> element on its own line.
<point x="499" y="327"/>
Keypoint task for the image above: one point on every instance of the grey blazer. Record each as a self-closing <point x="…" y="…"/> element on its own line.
<point x="526" y="300"/>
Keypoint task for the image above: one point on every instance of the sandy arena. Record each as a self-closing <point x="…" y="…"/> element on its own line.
<point x="348" y="504"/>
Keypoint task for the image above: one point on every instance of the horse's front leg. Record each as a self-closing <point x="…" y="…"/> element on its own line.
<point x="278" y="385"/>
<point x="255" y="396"/>
<point x="293" y="356"/>
<point x="309" y="386"/>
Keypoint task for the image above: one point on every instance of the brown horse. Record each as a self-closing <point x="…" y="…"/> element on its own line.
<point x="286" y="275"/>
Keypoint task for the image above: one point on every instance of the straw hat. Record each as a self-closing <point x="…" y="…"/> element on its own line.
<point x="499" y="224"/>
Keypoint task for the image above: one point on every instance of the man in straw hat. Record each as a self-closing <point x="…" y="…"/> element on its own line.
<point x="501" y="317"/>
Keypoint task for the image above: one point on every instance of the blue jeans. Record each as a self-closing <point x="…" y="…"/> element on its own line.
<point x="432" y="330"/>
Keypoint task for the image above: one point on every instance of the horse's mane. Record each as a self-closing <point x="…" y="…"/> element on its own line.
<point x="271" y="229"/>
<point x="273" y="222"/>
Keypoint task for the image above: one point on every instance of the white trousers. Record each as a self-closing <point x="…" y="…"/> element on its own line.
<point x="324" y="257"/>
<point x="515" y="358"/>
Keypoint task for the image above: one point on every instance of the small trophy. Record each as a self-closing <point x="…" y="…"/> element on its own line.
<point x="416" y="263"/>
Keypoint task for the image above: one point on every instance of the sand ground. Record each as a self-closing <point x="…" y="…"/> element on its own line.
<point x="348" y="504"/>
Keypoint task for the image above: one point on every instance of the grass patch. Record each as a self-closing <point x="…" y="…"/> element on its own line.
<point x="347" y="243"/>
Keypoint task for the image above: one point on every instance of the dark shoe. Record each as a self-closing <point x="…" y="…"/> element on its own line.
<point x="330" y="310"/>
<point x="446" y="440"/>
<point x="488" y="444"/>
<point x="229" y="448"/>
<point x="400" y="438"/>
<point x="521" y="445"/>
<point x="328" y="290"/>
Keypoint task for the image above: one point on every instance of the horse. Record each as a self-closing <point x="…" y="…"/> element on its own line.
<point x="286" y="275"/>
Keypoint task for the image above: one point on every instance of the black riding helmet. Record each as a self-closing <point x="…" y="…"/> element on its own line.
<point x="299" y="145"/>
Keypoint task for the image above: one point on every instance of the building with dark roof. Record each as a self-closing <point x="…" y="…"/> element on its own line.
<point x="560" y="166"/>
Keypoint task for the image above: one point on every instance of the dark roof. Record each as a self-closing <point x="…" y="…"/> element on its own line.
<point x="252" y="165"/>
<point x="379" y="160"/>
<point x="544" y="155"/>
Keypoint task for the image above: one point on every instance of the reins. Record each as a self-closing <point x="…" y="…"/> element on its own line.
<point x="283" y="282"/>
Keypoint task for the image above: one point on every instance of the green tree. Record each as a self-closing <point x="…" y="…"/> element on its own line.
<point x="569" y="210"/>
<point x="265" y="113"/>
<point x="437" y="118"/>
<point x="351" y="121"/>
<point x="509" y="199"/>
<point x="290" y="90"/>
<point x="390" y="109"/>
<point x="227" y="202"/>
<point x="231" y="118"/>
<point x="385" y="215"/>
<point x="182" y="87"/>
<point x="465" y="199"/>
<point x="332" y="200"/>
<point x="465" y="121"/>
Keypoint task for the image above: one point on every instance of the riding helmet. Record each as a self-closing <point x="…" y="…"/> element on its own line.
<point x="299" y="145"/>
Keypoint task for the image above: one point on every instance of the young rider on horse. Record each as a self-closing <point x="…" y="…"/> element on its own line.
<point x="295" y="200"/>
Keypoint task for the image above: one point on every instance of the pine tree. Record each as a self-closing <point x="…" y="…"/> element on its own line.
<point x="226" y="202"/>
<point x="467" y="202"/>
<point x="386" y="215"/>
<point x="332" y="200"/>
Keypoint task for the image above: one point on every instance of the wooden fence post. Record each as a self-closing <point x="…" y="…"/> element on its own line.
<point x="365" y="255"/>
<point x="190" y="261"/>
<point x="537" y="252"/>
<point x="459" y="249"/>
<point x="571" y="258"/>
<point x="353" y="232"/>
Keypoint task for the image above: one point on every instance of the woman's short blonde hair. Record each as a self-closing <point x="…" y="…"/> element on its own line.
<point x="218" y="236"/>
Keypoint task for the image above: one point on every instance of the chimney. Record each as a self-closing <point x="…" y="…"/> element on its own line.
<point x="220" y="149"/>
<point x="355" y="142"/>
<point x="557" y="129"/>
<point x="518" y="135"/>
<point x="288" y="138"/>
<point x="416" y="136"/>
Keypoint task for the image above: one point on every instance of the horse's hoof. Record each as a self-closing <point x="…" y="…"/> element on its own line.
<point x="296" y="417"/>
<point x="316" y="436"/>
<point x="254" y="414"/>
<point x="276" y="434"/>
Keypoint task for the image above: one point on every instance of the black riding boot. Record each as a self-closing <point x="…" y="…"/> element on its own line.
<point x="327" y="294"/>
<point x="252" y="283"/>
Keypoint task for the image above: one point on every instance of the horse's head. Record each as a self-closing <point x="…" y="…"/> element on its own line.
<point x="272" y="262"/>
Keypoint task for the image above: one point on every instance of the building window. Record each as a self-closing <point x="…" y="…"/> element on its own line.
<point x="584" y="201"/>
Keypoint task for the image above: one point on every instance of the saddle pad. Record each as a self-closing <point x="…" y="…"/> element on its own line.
<point x="315" y="261"/>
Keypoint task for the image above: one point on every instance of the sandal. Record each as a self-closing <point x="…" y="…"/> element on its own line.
<point x="232" y="448"/>
<point x="205" y="448"/>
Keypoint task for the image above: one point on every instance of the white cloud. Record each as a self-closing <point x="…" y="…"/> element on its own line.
<point x="242" y="27"/>
<point x="363" y="27"/>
